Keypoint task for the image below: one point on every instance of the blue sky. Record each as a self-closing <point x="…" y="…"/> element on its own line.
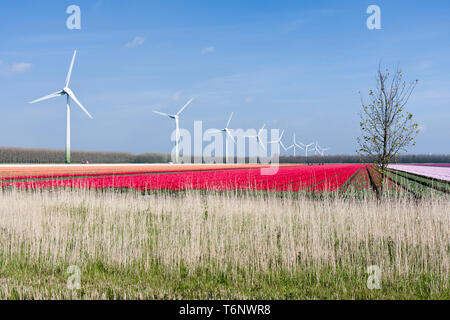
<point x="295" y="65"/>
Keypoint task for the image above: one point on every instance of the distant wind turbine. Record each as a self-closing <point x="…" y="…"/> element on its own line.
<point x="258" y="137"/>
<point x="320" y="150"/>
<point x="295" y="145"/>
<point x="279" y="141"/>
<point x="69" y="95"/>
<point x="176" y="117"/>
<point x="228" y="134"/>
<point x="307" y="149"/>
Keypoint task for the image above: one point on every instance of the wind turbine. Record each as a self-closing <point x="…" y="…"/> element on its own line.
<point x="176" y="117"/>
<point x="227" y="132"/>
<point x="279" y="141"/>
<point x="69" y="95"/>
<point x="316" y="148"/>
<point x="258" y="137"/>
<point x="294" y="145"/>
<point x="320" y="150"/>
<point x="307" y="149"/>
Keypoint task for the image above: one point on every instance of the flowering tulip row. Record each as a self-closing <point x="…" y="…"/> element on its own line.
<point x="318" y="178"/>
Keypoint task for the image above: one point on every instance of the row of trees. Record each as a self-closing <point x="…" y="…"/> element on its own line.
<point x="20" y="155"/>
<point x="346" y="158"/>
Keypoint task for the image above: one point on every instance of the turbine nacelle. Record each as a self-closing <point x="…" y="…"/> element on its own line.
<point x="177" y="115"/>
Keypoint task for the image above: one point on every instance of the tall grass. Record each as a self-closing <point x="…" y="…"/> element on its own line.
<point x="205" y="245"/>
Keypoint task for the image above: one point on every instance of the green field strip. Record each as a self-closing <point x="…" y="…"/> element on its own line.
<point x="397" y="184"/>
<point x="439" y="185"/>
<point x="414" y="187"/>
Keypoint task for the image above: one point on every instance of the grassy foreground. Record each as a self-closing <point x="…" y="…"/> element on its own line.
<point x="219" y="246"/>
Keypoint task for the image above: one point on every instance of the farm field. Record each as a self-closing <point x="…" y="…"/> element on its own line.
<point x="439" y="172"/>
<point x="240" y="177"/>
<point x="219" y="246"/>
<point x="167" y="240"/>
<point x="343" y="179"/>
<point x="53" y="170"/>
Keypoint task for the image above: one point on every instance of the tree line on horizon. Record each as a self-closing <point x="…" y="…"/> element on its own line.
<point x="48" y="156"/>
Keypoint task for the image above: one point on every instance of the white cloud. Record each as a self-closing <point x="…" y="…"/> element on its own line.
<point x="248" y="100"/>
<point x="20" y="67"/>
<point x="135" y="42"/>
<point x="294" y="24"/>
<point x="208" y="50"/>
<point x="15" y="68"/>
<point x="176" y="96"/>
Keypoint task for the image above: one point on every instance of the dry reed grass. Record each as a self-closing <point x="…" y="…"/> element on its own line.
<point x="249" y="241"/>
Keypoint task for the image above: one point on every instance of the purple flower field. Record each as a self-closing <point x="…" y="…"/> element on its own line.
<point x="445" y="165"/>
<point x="436" y="172"/>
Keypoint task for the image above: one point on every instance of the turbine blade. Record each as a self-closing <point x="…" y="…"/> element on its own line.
<point x="163" y="114"/>
<point x="262" y="144"/>
<point x="300" y="147"/>
<point x="229" y="134"/>
<point x="53" y="95"/>
<point x="279" y="139"/>
<point x="185" y="106"/>
<point x="74" y="98"/>
<point x="262" y="128"/>
<point x="229" y="120"/>
<point x="283" y="146"/>
<point x="69" y="74"/>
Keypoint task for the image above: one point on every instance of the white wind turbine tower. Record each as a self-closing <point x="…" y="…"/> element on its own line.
<point x="307" y="149"/>
<point x="294" y="145"/>
<point x="279" y="141"/>
<point x="228" y="134"/>
<point x="69" y="95"/>
<point x="176" y="117"/>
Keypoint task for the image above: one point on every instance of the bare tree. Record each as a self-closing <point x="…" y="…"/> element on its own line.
<point x="387" y="128"/>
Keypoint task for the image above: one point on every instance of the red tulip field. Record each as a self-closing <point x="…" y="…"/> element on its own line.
<point x="318" y="178"/>
<point x="343" y="178"/>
